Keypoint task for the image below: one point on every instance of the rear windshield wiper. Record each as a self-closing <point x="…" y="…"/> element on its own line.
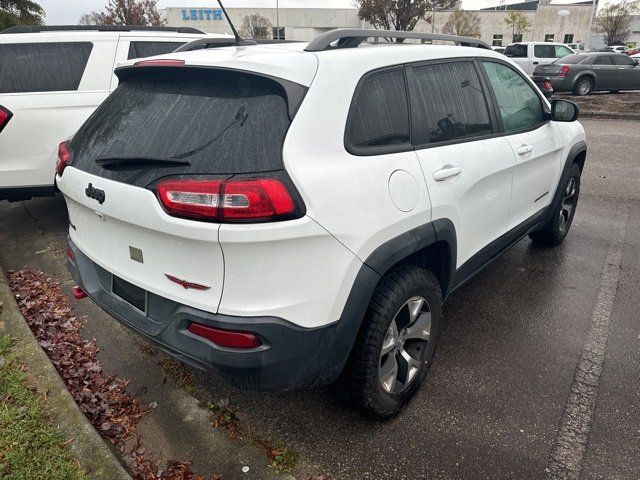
<point x="132" y="160"/>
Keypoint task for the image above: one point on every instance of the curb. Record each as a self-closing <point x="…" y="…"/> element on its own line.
<point x="93" y="454"/>
<point x="621" y="115"/>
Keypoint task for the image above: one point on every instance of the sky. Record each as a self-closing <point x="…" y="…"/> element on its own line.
<point x="67" y="12"/>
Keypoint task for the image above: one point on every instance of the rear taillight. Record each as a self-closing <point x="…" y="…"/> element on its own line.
<point x="232" y="200"/>
<point x="547" y="86"/>
<point x="64" y="156"/>
<point x="564" y="70"/>
<point x="226" y="338"/>
<point x="5" y="116"/>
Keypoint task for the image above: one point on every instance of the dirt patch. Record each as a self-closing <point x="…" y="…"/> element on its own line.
<point x="623" y="102"/>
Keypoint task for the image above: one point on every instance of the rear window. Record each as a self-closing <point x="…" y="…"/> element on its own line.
<point x="220" y="122"/>
<point x="516" y="51"/>
<point x="150" y="49"/>
<point x="42" y="67"/>
<point x="571" y="59"/>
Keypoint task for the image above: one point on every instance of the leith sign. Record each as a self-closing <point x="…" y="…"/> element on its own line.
<point x="201" y="14"/>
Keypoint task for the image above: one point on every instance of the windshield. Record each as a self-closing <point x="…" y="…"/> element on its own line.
<point x="177" y="121"/>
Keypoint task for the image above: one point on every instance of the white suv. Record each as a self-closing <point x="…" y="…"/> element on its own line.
<point x="287" y="214"/>
<point x="51" y="80"/>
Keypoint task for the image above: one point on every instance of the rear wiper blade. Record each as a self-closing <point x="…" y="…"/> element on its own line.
<point x="129" y="160"/>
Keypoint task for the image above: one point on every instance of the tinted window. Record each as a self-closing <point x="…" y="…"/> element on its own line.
<point x="520" y="106"/>
<point x="149" y="49"/>
<point x="220" y="122"/>
<point x="544" y="51"/>
<point x="42" y="67"/>
<point x="449" y="103"/>
<point x="602" y="60"/>
<point x="622" y="60"/>
<point x="571" y="59"/>
<point x="517" y="51"/>
<point x="379" y="114"/>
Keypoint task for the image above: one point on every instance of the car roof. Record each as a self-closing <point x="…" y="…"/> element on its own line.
<point x="77" y="34"/>
<point x="291" y="62"/>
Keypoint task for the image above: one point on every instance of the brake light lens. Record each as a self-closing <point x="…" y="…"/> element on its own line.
<point x="547" y="85"/>
<point x="233" y="200"/>
<point x="564" y="70"/>
<point x="159" y="63"/>
<point x="5" y="116"/>
<point x="64" y="156"/>
<point x="226" y="338"/>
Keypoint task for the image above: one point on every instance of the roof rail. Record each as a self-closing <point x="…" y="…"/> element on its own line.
<point x="99" y="28"/>
<point x="351" y="38"/>
<point x="203" y="43"/>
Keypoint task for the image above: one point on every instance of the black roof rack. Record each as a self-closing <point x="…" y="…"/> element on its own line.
<point x="99" y="28"/>
<point x="203" y="43"/>
<point x="351" y="38"/>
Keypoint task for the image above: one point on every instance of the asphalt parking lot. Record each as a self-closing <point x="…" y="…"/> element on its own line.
<point x="536" y="375"/>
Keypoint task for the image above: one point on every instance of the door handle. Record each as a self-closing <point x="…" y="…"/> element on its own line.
<point x="524" y="149"/>
<point x="536" y="63"/>
<point x="445" y="172"/>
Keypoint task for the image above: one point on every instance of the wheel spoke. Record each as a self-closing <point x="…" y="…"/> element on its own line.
<point x="420" y="329"/>
<point x="415" y="307"/>
<point x="390" y="339"/>
<point x="410" y="365"/>
<point x="389" y="372"/>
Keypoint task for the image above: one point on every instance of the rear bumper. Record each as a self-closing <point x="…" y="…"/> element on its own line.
<point x="289" y="357"/>
<point x="561" y="84"/>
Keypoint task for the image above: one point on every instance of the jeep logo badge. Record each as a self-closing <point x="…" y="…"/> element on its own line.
<point x="95" y="193"/>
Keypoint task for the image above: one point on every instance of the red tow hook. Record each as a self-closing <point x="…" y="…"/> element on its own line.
<point x="79" y="293"/>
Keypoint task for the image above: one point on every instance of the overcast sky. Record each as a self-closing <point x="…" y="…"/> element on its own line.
<point x="68" y="12"/>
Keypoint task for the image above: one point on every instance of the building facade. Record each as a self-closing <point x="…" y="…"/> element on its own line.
<point x="549" y="22"/>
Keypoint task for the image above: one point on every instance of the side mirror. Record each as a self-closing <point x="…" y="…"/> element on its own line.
<point x="564" y="111"/>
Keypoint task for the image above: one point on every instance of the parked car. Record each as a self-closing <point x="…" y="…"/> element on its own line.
<point x="530" y="54"/>
<point x="583" y="74"/>
<point x="544" y="84"/>
<point x="615" y="48"/>
<point x="632" y="52"/>
<point x="499" y="49"/>
<point x="282" y="217"/>
<point x="577" y="47"/>
<point x="52" y="80"/>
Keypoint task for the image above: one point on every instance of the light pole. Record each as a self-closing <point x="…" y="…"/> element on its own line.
<point x="594" y="6"/>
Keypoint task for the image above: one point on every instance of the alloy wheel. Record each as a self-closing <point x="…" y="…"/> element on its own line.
<point x="584" y="87"/>
<point x="405" y="345"/>
<point x="568" y="204"/>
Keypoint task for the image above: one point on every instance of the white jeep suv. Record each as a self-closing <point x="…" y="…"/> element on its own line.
<point x="51" y="79"/>
<point x="284" y="215"/>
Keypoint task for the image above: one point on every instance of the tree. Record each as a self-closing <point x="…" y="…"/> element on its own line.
<point x="463" y="23"/>
<point x="126" y="12"/>
<point x="518" y="22"/>
<point x="615" y="21"/>
<point x="401" y="15"/>
<point x="20" y="12"/>
<point x="255" y="26"/>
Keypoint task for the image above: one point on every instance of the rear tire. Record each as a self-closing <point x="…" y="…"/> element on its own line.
<point x="583" y="86"/>
<point x="564" y="209"/>
<point x="396" y="342"/>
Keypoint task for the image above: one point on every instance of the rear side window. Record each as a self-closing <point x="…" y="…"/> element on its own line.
<point x="572" y="59"/>
<point x="544" y="51"/>
<point x="448" y="103"/>
<point x="216" y="121"/>
<point x="150" y="49"/>
<point x="516" y="51"/>
<point x="379" y="114"/>
<point x="42" y="67"/>
<point x="520" y="106"/>
<point x="602" y="60"/>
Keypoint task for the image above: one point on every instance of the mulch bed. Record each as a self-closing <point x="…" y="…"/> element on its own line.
<point x="103" y="398"/>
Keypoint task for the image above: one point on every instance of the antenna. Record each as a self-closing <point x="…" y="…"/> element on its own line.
<point x="239" y="40"/>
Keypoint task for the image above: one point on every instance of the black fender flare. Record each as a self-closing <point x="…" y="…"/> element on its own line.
<point x="377" y="264"/>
